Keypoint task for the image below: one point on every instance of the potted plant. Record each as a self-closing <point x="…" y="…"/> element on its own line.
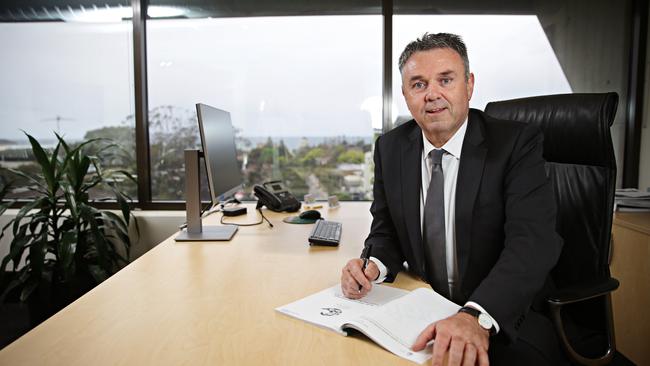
<point x="62" y="246"/>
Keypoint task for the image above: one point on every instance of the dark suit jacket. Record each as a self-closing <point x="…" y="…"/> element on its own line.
<point x="506" y="242"/>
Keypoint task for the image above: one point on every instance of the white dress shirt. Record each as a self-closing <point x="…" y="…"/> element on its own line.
<point x="450" y="163"/>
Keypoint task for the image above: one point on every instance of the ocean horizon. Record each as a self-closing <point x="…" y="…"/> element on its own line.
<point x="291" y="142"/>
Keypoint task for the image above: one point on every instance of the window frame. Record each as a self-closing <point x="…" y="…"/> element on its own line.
<point x="638" y="18"/>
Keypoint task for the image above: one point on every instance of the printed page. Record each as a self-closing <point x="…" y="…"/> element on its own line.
<point x="379" y="295"/>
<point x="396" y="325"/>
<point x="631" y="193"/>
<point x="330" y="309"/>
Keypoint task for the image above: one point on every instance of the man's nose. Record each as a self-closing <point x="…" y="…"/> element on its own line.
<point x="432" y="92"/>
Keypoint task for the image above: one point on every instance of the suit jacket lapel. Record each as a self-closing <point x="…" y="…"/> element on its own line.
<point x="470" y="172"/>
<point x="411" y="176"/>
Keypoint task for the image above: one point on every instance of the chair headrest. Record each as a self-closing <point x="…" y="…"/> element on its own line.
<point x="575" y="126"/>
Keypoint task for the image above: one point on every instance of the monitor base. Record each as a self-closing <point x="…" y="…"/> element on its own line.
<point x="208" y="233"/>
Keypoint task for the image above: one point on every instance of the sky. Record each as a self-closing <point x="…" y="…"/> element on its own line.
<point x="278" y="76"/>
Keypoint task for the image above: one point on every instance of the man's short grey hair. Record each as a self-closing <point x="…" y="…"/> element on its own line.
<point x="434" y="41"/>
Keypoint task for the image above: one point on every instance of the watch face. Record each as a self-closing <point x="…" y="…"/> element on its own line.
<point x="484" y="321"/>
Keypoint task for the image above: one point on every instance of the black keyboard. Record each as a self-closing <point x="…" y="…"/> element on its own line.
<point x="325" y="233"/>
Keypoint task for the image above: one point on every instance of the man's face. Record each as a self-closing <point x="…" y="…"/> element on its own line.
<point x="436" y="92"/>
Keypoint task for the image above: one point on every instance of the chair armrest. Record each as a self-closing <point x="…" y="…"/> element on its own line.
<point x="589" y="290"/>
<point x="583" y="291"/>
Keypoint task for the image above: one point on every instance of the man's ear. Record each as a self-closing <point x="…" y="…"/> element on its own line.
<point x="470" y="86"/>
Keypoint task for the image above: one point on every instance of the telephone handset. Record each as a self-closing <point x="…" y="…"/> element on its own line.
<point x="274" y="196"/>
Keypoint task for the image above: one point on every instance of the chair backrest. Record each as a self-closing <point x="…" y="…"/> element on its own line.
<point x="580" y="163"/>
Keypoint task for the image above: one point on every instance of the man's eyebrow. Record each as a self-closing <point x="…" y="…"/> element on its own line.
<point x="447" y="73"/>
<point x="416" y="77"/>
<point x="443" y="74"/>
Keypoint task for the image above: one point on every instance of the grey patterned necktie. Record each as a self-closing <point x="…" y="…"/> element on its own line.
<point x="434" y="228"/>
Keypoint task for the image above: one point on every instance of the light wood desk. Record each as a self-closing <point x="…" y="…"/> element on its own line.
<point x="212" y="304"/>
<point x="630" y="257"/>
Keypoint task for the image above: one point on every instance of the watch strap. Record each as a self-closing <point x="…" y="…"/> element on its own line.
<point x="470" y="310"/>
<point x="476" y="313"/>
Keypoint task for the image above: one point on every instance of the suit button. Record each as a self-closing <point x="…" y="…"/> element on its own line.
<point x="519" y="321"/>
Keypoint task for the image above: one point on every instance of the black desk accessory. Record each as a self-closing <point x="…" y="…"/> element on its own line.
<point x="326" y="233"/>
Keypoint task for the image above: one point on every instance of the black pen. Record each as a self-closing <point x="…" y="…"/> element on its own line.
<point x="366" y="257"/>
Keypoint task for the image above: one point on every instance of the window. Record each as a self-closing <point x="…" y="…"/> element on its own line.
<point x="304" y="94"/>
<point x="74" y="78"/>
<point x="302" y="80"/>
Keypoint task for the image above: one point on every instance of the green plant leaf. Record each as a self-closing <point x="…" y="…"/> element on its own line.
<point x="72" y="157"/>
<point x="82" y="171"/>
<point x="78" y="147"/>
<point x="122" y="231"/>
<point x="62" y="142"/>
<point x="3" y="193"/>
<point x="3" y="208"/>
<point x="28" y="288"/>
<point x="98" y="273"/>
<point x="24" y="211"/>
<point x="99" y="240"/>
<point x="92" y="183"/>
<point x="107" y="147"/>
<point x="98" y="169"/>
<point x="17" y="248"/>
<point x="71" y="201"/>
<point x="6" y="189"/>
<point x="36" y="220"/>
<point x="66" y="251"/>
<point x="124" y="206"/>
<point x="126" y="174"/>
<point x="44" y="163"/>
<point x="70" y="176"/>
<point x="38" y="183"/>
<point x="16" y="282"/>
<point x="115" y="221"/>
<point x="54" y="160"/>
<point x="37" y="251"/>
<point x="118" y="258"/>
<point x="59" y="232"/>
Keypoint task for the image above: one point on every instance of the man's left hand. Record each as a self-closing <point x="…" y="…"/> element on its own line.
<point x="461" y="336"/>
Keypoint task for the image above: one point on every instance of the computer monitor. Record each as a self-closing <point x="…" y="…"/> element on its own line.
<point x="224" y="173"/>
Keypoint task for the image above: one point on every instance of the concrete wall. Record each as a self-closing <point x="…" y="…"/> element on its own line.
<point x="591" y="41"/>
<point x="644" y="161"/>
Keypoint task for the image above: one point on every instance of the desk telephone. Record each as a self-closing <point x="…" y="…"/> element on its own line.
<point x="274" y="196"/>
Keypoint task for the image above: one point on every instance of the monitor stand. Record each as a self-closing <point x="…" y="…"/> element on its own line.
<point x="208" y="233"/>
<point x="195" y="231"/>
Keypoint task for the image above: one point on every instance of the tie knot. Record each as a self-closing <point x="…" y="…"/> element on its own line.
<point x="436" y="156"/>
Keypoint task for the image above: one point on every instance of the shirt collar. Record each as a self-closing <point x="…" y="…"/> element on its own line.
<point x="452" y="147"/>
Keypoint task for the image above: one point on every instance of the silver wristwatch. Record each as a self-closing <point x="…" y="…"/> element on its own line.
<point x="484" y="321"/>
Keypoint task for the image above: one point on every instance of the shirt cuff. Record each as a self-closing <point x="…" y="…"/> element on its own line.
<point x="480" y="308"/>
<point x="383" y="271"/>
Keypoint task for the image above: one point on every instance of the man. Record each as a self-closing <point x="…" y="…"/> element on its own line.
<point x="463" y="199"/>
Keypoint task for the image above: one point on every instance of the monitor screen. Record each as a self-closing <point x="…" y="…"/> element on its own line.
<point x="218" y="143"/>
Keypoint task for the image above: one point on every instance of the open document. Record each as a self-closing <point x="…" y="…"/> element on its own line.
<point x="391" y="317"/>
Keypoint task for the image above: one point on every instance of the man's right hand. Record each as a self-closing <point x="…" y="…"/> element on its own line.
<point x="355" y="282"/>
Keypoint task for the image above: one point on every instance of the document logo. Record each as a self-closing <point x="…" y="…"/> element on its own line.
<point x="330" y="312"/>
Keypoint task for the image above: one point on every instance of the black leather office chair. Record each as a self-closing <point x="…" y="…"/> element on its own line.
<point x="580" y="163"/>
